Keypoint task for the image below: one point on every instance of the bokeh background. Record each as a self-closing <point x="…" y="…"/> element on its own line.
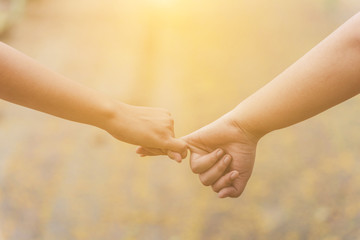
<point x="199" y="59"/>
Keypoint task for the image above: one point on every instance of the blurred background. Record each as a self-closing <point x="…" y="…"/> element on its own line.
<point x="199" y="59"/>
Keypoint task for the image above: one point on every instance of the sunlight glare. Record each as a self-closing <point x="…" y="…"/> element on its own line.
<point x="163" y="3"/>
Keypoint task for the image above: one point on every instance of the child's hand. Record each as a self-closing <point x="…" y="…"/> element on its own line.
<point x="148" y="127"/>
<point x="211" y="167"/>
<point x="226" y="135"/>
<point x="204" y="143"/>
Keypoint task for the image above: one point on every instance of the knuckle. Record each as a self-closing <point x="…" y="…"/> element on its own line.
<point x="204" y="180"/>
<point x="166" y="140"/>
<point x="228" y="180"/>
<point x="215" y="188"/>
<point x="218" y="158"/>
<point x="236" y="194"/>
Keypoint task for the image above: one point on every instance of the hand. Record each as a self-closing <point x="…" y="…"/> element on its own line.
<point x="210" y="166"/>
<point x="148" y="127"/>
<point x="235" y="141"/>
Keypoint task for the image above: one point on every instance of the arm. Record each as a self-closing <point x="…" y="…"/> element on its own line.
<point x="328" y="75"/>
<point x="25" y="82"/>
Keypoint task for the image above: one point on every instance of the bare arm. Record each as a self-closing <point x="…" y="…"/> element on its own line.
<point x="25" y="82"/>
<point x="326" y="76"/>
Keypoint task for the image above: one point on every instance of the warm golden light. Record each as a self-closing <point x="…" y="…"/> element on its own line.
<point x="198" y="58"/>
<point x="163" y="3"/>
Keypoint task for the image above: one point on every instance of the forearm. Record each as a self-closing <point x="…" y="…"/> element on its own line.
<point x="326" y="76"/>
<point x="27" y="83"/>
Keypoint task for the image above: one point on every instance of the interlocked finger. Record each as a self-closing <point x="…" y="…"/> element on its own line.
<point x="213" y="174"/>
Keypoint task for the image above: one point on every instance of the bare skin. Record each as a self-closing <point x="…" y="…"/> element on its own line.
<point x="326" y="76"/>
<point x="25" y="82"/>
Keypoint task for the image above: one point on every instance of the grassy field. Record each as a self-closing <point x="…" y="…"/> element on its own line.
<point x="62" y="180"/>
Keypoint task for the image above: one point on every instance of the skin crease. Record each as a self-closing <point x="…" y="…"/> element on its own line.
<point x="225" y="135"/>
<point x="25" y="82"/>
<point x="326" y="76"/>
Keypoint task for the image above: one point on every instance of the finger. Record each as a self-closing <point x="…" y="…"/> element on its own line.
<point x="141" y="150"/>
<point x="227" y="192"/>
<point x="184" y="153"/>
<point x="225" y="181"/>
<point x="176" y="145"/>
<point x="174" y="156"/>
<point x="205" y="162"/>
<point x="233" y="191"/>
<point x="145" y="152"/>
<point x="150" y="151"/>
<point x="214" y="173"/>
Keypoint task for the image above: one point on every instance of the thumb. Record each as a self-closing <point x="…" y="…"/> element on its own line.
<point x="177" y="146"/>
<point x="188" y="139"/>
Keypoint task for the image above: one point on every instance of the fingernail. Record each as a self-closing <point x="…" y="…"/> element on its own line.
<point x="219" y="153"/>
<point x="227" y="159"/>
<point x="234" y="175"/>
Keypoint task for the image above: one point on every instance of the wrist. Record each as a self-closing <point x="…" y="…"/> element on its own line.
<point x="245" y="126"/>
<point x="108" y="111"/>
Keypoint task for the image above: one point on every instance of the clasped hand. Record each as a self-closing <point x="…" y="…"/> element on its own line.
<point x="222" y="154"/>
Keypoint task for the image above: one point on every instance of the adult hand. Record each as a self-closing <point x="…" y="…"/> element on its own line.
<point x="235" y="141"/>
<point x="222" y="135"/>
